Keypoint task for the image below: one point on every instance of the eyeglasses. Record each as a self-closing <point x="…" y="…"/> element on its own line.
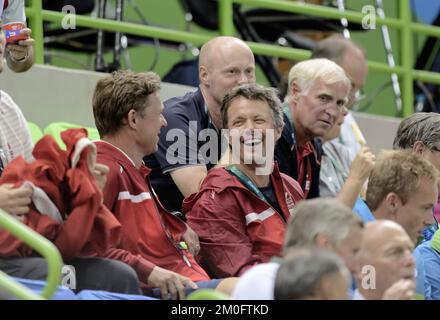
<point x="435" y="149"/>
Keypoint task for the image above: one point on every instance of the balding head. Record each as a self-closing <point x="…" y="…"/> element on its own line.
<point x="220" y="44"/>
<point x="349" y="56"/>
<point x="377" y="233"/>
<point x="224" y="63"/>
<point x="385" y="257"/>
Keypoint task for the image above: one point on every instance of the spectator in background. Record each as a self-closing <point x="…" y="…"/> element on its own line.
<point x="402" y="187"/>
<point x="311" y="275"/>
<point x="15" y="140"/>
<point x="338" y="177"/>
<point x="420" y="132"/>
<point x="67" y="209"/>
<point x="427" y="256"/>
<point x="352" y="59"/>
<point x="321" y="223"/>
<point x="224" y="63"/>
<point x="239" y="205"/>
<point x="386" y="263"/>
<point x="20" y="56"/>
<point x="318" y="91"/>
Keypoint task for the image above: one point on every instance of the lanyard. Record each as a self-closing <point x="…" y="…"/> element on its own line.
<point x="246" y="181"/>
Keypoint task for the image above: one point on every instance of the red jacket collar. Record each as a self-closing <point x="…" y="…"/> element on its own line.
<point x="120" y="156"/>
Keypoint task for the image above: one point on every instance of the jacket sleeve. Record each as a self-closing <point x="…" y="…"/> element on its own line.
<point x="142" y="266"/>
<point x="226" y="248"/>
<point x="86" y="201"/>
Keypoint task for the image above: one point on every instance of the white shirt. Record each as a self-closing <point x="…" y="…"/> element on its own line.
<point x="348" y="137"/>
<point x="15" y="138"/>
<point x="257" y="283"/>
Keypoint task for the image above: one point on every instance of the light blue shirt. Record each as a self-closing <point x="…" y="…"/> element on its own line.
<point x="362" y="210"/>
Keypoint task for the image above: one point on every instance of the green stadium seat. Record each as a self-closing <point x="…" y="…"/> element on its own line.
<point x="207" y="294"/>
<point x="36" y="133"/>
<point x="54" y="129"/>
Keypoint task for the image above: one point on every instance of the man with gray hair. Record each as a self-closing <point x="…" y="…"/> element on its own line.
<point x="317" y="94"/>
<point x="420" y="132"/>
<point x="352" y="59"/>
<point x="311" y="274"/>
<point x="322" y="223"/>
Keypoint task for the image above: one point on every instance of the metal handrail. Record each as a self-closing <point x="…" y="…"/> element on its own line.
<point x="226" y="27"/>
<point x="43" y="247"/>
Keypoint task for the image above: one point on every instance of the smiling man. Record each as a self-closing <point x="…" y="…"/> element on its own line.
<point x="318" y="91"/>
<point x="241" y="214"/>
<point x="128" y="115"/>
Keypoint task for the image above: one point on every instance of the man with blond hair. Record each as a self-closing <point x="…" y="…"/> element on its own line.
<point x="179" y="167"/>
<point x="317" y="94"/>
<point x="402" y="187"/>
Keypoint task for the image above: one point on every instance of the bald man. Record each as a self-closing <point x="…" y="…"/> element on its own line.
<point x="352" y="59"/>
<point x="386" y="263"/>
<point x="191" y="145"/>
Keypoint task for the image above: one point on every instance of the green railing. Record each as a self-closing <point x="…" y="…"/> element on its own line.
<point x="405" y="25"/>
<point x="42" y="246"/>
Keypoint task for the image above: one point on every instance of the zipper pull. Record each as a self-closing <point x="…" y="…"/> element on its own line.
<point x="185" y="258"/>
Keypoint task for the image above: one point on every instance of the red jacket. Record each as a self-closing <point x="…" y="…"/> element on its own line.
<point x="236" y="228"/>
<point x="67" y="205"/>
<point x="149" y="232"/>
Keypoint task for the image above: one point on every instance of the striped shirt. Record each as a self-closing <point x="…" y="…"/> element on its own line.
<point x="15" y="138"/>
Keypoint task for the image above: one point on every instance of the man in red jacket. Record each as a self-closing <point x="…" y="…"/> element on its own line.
<point x="241" y="211"/>
<point x="128" y="115"/>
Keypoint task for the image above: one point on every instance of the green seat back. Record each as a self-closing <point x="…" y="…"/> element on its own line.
<point x="207" y="294"/>
<point x="54" y="129"/>
<point x="36" y="133"/>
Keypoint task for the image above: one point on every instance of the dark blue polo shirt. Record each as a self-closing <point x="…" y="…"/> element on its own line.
<point x="189" y="139"/>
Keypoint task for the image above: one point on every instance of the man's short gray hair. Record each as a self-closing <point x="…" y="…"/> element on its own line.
<point x="421" y="126"/>
<point x="301" y="272"/>
<point x="305" y="73"/>
<point x="319" y="216"/>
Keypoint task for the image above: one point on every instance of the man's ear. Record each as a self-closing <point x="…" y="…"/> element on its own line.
<point x="203" y="75"/>
<point x="393" y="203"/>
<point x="131" y="118"/>
<point x="419" y="147"/>
<point x="294" y="91"/>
